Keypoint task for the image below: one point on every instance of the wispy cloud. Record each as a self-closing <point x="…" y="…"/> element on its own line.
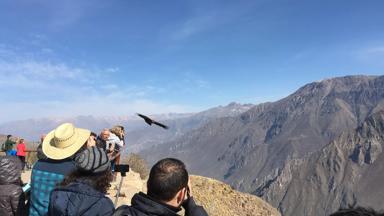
<point x="41" y="88"/>
<point x="63" y="14"/>
<point x="207" y="17"/>
<point x="192" y="26"/>
<point x="41" y="70"/>
<point x="187" y="83"/>
<point x="370" y="55"/>
<point x="379" y="50"/>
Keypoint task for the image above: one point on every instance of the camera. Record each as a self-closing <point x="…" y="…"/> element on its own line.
<point x="122" y="168"/>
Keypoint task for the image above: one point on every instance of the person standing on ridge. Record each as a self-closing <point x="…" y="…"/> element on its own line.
<point x="55" y="162"/>
<point x="101" y="140"/>
<point x="8" y="145"/>
<point x="21" y="153"/>
<point x="115" y="143"/>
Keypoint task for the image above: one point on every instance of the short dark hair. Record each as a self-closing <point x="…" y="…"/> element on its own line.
<point x="358" y="211"/>
<point x="166" y="178"/>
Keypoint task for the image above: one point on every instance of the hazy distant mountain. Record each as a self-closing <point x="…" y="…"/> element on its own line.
<point x="139" y="134"/>
<point x="144" y="137"/>
<point x="242" y="150"/>
<point x="348" y="171"/>
<point x="33" y="128"/>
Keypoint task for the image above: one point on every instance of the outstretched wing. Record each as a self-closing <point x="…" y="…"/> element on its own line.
<point x="151" y="121"/>
<point x="160" y="124"/>
<point x="146" y="118"/>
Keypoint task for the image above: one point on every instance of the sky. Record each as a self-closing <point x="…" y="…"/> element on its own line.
<point x="118" y="57"/>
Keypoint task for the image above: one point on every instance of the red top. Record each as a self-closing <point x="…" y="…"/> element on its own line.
<point x="20" y="149"/>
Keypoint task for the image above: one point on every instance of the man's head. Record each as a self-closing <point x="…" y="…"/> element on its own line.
<point x="358" y="211"/>
<point x="104" y="135"/>
<point x="167" y="180"/>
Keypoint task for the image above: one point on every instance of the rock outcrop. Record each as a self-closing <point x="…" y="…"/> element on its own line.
<point x="219" y="199"/>
<point x="348" y="171"/>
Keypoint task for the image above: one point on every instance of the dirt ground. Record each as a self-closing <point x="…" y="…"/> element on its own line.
<point x="132" y="184"/>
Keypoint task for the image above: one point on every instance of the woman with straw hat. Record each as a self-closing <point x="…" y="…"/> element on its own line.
<point x="59" y="146"/>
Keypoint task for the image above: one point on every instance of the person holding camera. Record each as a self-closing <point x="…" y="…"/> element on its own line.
<point x="168" y="190"/>
<point x="116" y="143"/>
<point x="101" y="140"/>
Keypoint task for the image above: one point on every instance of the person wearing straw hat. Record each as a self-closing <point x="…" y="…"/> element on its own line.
<point x="83" y="192"/>
<point x="59" y="146"/>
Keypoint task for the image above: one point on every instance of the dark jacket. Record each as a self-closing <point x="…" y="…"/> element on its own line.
<point x="101" y="143"/>
<point x="8" y="145"/>
<point x="46" y="174"/>
<point x="79" y="198"/>
<point x="11" y="192"/>
<point x="143" y="205"/>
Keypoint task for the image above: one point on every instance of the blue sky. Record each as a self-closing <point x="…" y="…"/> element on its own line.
<point x="67" y="58"/>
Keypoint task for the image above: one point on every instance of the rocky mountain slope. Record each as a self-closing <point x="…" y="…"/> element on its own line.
<point x="243" y="150"/>
<point x="221" y="200"/>
<point x="348" y="171"/>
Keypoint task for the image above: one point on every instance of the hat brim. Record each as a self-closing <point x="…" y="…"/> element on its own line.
<point x="55" y="153"/>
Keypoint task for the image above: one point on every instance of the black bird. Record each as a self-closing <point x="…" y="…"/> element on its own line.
<point x="151" y="121"/>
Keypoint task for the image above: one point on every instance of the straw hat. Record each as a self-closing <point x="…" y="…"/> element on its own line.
<point x="64" y="141"/>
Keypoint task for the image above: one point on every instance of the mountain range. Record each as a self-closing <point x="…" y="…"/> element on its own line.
<point x="139" y="134"/>
<point x="250" y="150"/>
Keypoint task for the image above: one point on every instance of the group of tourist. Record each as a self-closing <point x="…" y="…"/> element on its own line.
<point x="18" y="150"/>
<point x="73" y="174"/>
